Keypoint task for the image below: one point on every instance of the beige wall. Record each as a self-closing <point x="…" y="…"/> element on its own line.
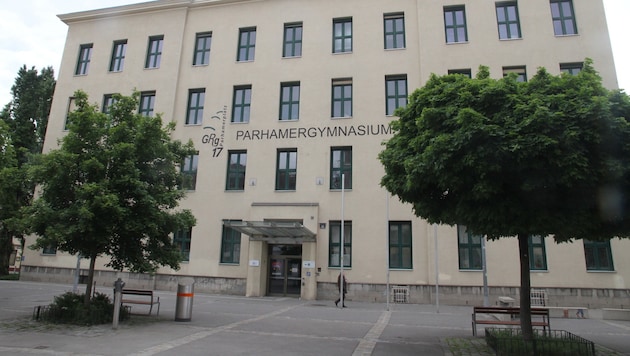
<point x="367" y="205"/>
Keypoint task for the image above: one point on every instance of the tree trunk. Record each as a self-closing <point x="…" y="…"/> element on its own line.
<point x="526" y="304"/>
<point x="6" y="248"/>
<point x="88" y="287"/>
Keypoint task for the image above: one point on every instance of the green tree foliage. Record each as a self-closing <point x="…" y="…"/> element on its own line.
<point x="547" y="157"/>
<point x="25" y="119"/>
<point x="111" y="188"/>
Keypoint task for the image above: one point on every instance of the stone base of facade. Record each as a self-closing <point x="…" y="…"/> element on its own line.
<point x="590" y="298"/>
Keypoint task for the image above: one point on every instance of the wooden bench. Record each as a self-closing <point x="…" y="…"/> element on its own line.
<point x="512" y="312"/>
<point x="150" y="300"/>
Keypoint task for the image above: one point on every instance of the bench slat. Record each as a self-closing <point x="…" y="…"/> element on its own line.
<point x="142" y="292"/>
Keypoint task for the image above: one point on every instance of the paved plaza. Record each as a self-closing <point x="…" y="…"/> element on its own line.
<point x="235" y="325"/>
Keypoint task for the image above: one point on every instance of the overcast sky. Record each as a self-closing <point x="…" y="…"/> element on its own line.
<point x="32" y="35"/>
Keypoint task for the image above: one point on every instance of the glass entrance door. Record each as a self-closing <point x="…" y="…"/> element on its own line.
<point x="285" y="270"/>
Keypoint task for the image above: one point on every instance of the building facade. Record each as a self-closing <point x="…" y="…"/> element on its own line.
<point x="288" y="103"/>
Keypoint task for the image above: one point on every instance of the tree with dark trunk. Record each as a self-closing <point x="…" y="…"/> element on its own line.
<point x="26" y="118"/>
<point x="112" y="189"/>
<point x="548" y="157"/>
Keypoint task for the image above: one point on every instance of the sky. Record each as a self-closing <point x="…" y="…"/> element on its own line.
<point x="32" y="35"/>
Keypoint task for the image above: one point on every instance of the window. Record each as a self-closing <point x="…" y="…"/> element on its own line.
<point x="237" y="162"/>
<point x="246" y="44"/>
<point x="181" y="240"/>
<point x="50" y="249"/>
<point x="467" y="72"/>
<point x="286" y="172"/>
<point x="194" y="115"/>
<point x="508" y="20"/>
<point x="395" y="93"/>
<point x="400" y="244"/>
<point x="455" y="24"/>
<point x="108" y="101"/>
<point x="147" y="102"/>
<point x="537" y="254"/>
<point x="563" y="17"/>
<point x="289" y="101"/>
<point x="334" y="244"/>
<point x="342" y="35"/>
<point x="118" y="56"/>
<point x="72" y="106"/>
<point x="598" y="256"/>
<point x="341" y="98"/>
<point x="469" y="247"/>
<point x="83" y="63"/>
<point x="340" y="163"/>
<point x="521" y="73"/>
<point x="292" y="40"/>
<point x="189" y="172"/>
<point x="571" y="68"/>
<point x="203" y="41"/>
<point x="154" y="52"/>
<point x="241" y="103"/>
<point x="394" y="27"/>
<point x="230" y="245"/>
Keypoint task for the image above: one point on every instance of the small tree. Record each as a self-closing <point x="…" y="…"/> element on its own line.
<point x="547" y="157"/>
<point x="111" y="188"/>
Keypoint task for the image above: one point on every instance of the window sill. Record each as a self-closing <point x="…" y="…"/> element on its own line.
<point x="456" y="43"/>
<point x="471" y="270"/>
<point x="511" y="39"/>
<point x="229" y="264"/>
<point x="395" y="49"/>
<point x="346" y="52"/>
<point x="201" y="65"/>
<point x="291" y="57"/>
<point x="567" y="35"/>
<point x="401" y="269"/>
<point x="199" y="124"/>
<point x="114" y="71"/>
<point x="245" y="61"/>
<point x="600" y="271"/>
<point x="340" y="117"/>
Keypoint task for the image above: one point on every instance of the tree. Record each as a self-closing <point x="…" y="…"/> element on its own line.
<point x="25" y="119"/>
<point x="547" y="157"/>
<point x="111" y="188"/>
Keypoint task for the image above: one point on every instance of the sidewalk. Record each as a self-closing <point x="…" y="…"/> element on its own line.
<point x="234" y="325"/>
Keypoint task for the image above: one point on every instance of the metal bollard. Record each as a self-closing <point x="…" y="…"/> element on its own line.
<point x="184" y="303"/>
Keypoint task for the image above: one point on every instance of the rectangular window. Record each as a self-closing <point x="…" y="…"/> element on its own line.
<point x="203" y="41"/>
<point x="467" y="72"/>
<point x="147" y="103"/>
<point x="286" y="172"/>
<point x="230" y="245"/>
<point x="400" y="244"/>
<point x="292" y="46"/>
<point x="181" y="240"/>
<point x="189" y="172"/>
<point x="289" y="101"/>
<point x="395" y="93"/>
<point x="469" y="247"/>
<point x="118" y="56"/>
<point x="50" y="250"/>
<point x="455" y="24"/>
<point x="83" y="62"/>
<point x="72" y="106"/>
<point x="520" y="71"/>
<point x="598" y="256"/>
<point x="241" y="103"/>
<point x="563" y="17"/>
<point x="237" y="162"/>
<point x="508" y="20"/>
<point x="334" y="244"/>
<point x="340" y="163"/>
<point x="108" y="101"/>
<point x="194" y="114"/>
<point x="537" y="254"/>
<point x="154" y="52"/>
<point x="341" y="98"/>
<point x="246" y="44"/>
<point x="571" y="68"/>
<point x="342" y="35"/>
<point x="394" y="27"/>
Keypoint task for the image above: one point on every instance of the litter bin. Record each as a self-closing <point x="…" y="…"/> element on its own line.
<point x="184" y="303"/>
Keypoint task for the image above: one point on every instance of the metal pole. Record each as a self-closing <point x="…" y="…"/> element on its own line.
<point x="75" y="285"/>
<point x="387" y="245"/>
<point x="341" y="250"/>
<point x="437" y="270"/>
<point x="486" y="302"/>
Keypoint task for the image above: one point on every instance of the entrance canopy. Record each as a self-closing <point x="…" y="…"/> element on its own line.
<point x="273" y="231"/>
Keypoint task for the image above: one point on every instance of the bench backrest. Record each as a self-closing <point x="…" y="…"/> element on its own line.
<point x="509" y="310"/>
<point x="138" y="292"/>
